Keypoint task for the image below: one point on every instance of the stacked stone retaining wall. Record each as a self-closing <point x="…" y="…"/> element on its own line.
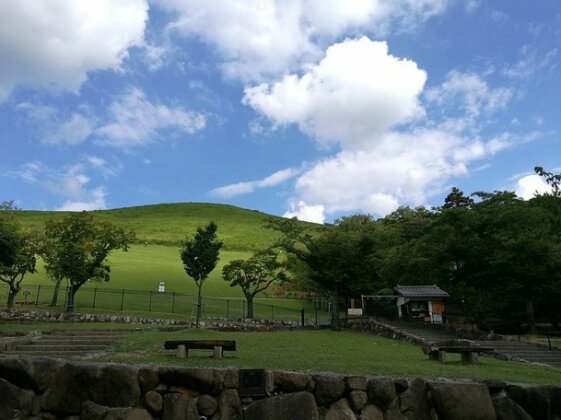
<point x="49" y="389"/>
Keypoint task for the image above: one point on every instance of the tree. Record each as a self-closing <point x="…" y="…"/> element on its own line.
<point x="200" y="256"/>
<point x="254" y="275"/>
<point x="78" y="248"/>
<point x="17" y="253"/>
<point x="339" y="262"/>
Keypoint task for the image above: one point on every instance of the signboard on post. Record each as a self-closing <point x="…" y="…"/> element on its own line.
<point x="354" y="311"/>
<point x="162" y="287"/>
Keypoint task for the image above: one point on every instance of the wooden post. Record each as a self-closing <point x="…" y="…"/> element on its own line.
<point x="470" y="358"/>
<point x="95" y="293"/>
<point x="181" y="351"/>
<point x="442" y="356"/>
<point x="217" y="352"/>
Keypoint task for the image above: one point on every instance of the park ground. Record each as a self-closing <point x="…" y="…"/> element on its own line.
<point x="304" y="350"/>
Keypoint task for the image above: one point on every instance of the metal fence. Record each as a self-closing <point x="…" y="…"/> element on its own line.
<point x="173" y="304"/>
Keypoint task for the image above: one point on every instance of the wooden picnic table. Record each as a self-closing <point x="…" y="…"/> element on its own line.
<point x="183" y="346"/>
<point x="469" y="353"/>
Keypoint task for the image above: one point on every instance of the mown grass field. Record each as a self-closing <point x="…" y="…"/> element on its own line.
<point x="323" y="350"/>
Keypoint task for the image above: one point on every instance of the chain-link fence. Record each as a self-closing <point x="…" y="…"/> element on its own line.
<point x="312" y="312"/>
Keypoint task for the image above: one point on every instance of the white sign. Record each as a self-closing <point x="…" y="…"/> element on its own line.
<point x="162" y="287"/>
<point x="354" y="311"/>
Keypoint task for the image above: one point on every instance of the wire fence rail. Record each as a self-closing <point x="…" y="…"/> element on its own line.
<point x="172" y="303"/>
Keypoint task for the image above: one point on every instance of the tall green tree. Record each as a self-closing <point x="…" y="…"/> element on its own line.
<point x="254" y="275"/>
<point x="17" y="253"/>
<point x="78" y="250"/>
<point x="200" y="255"/>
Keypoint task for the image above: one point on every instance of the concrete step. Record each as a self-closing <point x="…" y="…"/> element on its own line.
<point x="58" y="353"/>
<point x="52" y="347"/>
<point x="64" y="341"/>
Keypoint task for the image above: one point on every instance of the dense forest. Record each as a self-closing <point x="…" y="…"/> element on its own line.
<point x="498" y="256"/>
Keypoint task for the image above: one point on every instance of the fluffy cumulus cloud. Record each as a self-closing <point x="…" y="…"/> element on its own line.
<point x="55" y="43"/>
<point x="528" y="186"/>
<point x="357" y="91"/>
<point x="136" y="121"/>
<point x="264" y="38"/>
<point x="393" y="150"/>
<point x="307" y="213"/>
<point x="247" y="187"/>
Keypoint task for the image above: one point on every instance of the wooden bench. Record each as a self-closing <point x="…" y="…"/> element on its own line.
<point x="182" y="347"/>
<point x="470" y="354"/>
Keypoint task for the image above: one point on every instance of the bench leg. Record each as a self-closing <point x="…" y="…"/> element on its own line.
<point x="217" y="352"/>
<point x="470" y="358"/>
<point x="181" y="351"/>
<point x="442" y="356"/>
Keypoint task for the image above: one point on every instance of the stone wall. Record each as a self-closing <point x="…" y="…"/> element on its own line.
<point x="48" y="389"/>
<point x="212" y="323"/>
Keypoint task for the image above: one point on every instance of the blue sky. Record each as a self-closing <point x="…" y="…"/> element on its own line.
<point x="314" y="109"/>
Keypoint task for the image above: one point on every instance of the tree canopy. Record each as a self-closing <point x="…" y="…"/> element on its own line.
<point x="200" y="255"/>
<point x="76" y="248"/>
<point x="254" y="275"/>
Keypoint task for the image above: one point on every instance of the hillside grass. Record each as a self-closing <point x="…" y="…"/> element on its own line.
<point x="323" y="350"/>
<point x="171" y="224"/>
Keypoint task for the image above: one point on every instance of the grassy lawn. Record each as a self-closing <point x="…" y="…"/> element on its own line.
<point x="341" y="352"/>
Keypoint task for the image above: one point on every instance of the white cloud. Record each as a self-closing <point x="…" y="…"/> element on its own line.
<point x="530" y="185"/>
<point x="54" y="44"/>
<point x="264" y="38"/>
<point x="135" y="121"/>
<point x="307" y="213"/>
<point x="470" y="92"/>
<point x="75" y="130"/>
<point x="531" y="62"/>
<point x="95" y="201"/>
<point x="356" y="91"/>
<point x="240" y="188"/>
<point x="102" y="166"/>
<point x="70" y="182"/>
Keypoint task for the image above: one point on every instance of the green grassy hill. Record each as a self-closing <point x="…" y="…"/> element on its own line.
<point x="160" y="229"/>
<point x="171" y="224"/>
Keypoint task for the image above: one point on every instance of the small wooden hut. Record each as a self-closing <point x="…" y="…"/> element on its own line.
<point x="424" y="303"/>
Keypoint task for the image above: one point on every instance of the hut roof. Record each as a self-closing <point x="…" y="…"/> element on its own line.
<point x="431" y="290"/>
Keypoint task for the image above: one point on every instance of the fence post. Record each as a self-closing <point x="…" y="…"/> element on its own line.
<point x="302" y="317"/>
<point x="122" y="299"/>
<point x="37" y="297"/>
<point x="227" y="309"/>
<point x="150" y="301"/>
<point x="173" y="303"/>
<point x="316" y="323"/>
<point x="95" y="295"/>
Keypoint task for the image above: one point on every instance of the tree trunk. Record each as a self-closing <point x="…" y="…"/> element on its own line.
<point x="70" y="299"/>
<point x="54" y="299"/>
<point x="199" y="304"/>
<point x="530" y="316"/>
<point x="335" y="322"/>
<point x="249" y="299"/>
<point x="11" y="297"/>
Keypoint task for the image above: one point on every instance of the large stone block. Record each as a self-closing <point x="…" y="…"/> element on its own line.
<point x="295" y="406"/>
<point x="329" y="388"/>
<point x="381" y="391"/>
<point x="179" y="407"/>
<point x="30" y="372"/>
<point x="507" y="409"/>
<point x="15" y="403"/>
<point x="93" y="411"/>
<point x="413" y="401"/>
<point x="462" y="401"/>
<point x="371" y="412"/>
<point x="532" y="399"/>
<point x="208" y="381"/>
<point x="108" y="385"/>
<point x="291" y="381"/>
<point x="340" y="410"/>
<point x="229" y="405"/>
